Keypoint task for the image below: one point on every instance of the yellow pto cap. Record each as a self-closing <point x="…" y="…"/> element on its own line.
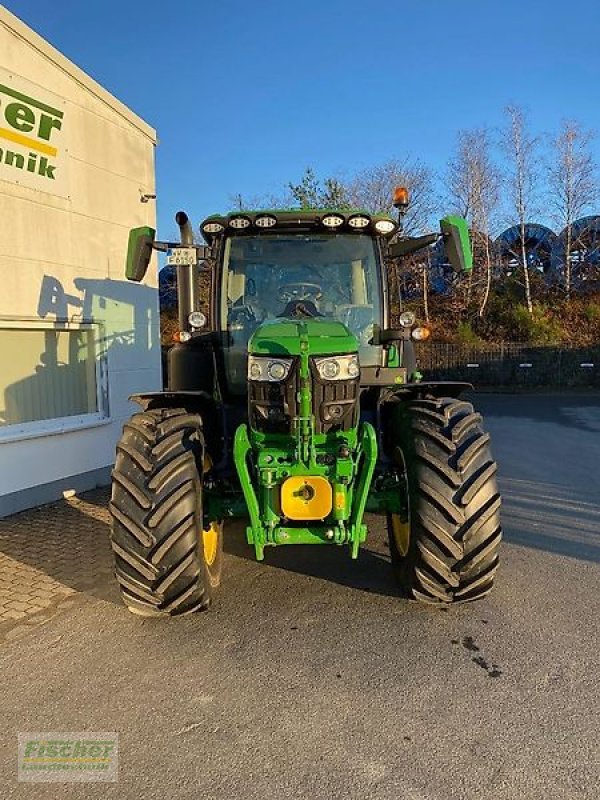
<point x="306" y="497"/>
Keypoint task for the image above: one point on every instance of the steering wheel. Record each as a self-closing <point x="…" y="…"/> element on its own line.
<point x="300" y="309"/>
<point x="299" y="290"/>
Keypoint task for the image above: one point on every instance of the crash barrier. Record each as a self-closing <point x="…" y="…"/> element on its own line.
<point x="512" y="364"/>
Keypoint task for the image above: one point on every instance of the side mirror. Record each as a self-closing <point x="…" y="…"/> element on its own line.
<point x="457" y="244"/>
<point x="139" y="252"/>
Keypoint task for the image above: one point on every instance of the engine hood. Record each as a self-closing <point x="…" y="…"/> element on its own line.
<point x="283" y="337"/>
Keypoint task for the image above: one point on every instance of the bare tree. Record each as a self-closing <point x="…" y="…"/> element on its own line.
<point x="521" y="150"/>
<point x="473" y="183"/>
<point x="258" y="202"/>
<point x="372" y="189"/>
<point x="573" y="184"/>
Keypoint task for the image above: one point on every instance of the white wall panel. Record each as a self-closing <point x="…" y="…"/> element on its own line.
<point x="62" y="252"/>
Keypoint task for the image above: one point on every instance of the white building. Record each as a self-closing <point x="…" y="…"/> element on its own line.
<point x="75" y="338"/>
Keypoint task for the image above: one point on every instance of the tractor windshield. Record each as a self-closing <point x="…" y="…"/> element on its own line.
<point x="334" y="275"/>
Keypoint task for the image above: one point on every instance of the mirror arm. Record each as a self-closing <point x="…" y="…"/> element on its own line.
<point x="405" y="247"/>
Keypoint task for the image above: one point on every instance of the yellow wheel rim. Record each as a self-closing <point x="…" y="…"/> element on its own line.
<point x="210" y="537"/>
<point x="401" y="534"/>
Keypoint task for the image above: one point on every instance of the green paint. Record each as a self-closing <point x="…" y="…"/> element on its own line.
<point x="282" y="337"/>
<point x="457" y="243"/>
<point x="346" y="459"/>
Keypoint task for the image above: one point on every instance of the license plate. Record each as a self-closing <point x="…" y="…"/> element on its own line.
<point x="182" y="256"/>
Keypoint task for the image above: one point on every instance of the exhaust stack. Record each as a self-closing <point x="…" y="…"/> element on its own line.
<point x="187" y="275"/>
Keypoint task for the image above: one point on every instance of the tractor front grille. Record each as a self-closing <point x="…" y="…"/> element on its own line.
<point x="273" y="406"/>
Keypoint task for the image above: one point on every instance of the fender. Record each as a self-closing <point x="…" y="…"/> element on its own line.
<point x="196" y="402"/>
<point x="393" y="396"/>
<point x="415" y="391"/>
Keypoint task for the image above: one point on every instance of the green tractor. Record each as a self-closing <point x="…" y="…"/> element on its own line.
<point x="293" y="402"/>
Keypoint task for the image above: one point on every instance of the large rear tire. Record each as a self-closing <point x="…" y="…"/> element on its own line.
<point x="164" y="562"/>
<point x="446" y="549"/>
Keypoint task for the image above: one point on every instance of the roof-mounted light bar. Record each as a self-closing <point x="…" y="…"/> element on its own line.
<point x="359" y="221"/>
<point x="332" y="220"/>
<point x="213" y="227"/>
<point x="335" y="221"/>
<point x="385" y="226"/>
<point x="240" y="222"/>
<point x="265" y="221"/>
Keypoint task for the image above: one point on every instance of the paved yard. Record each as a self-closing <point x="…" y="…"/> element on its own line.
<point x="310" y="678"/>
<point x="50" y="553"/>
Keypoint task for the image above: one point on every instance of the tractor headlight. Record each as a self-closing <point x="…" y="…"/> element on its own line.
<point x="239" y="223"/>
<point x="407" y="318"/>
<point x="265" y="221"/>
<point x="212" y="227"/>
<point x="332" y="220"/>
<point x="197" y="319"/>
<point x="268" y="369"/>
<point x="385" y="226"/>
<point x="359" y="221"/>
<point x="338" y="368"/>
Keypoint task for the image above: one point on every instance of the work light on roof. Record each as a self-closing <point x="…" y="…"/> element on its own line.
<point x="265" y="221"/>
<point x="384" y="226"/>
<point x="239" y="223"/>
<point x="333" y="220"/>
<point x="212" y="227"/>
<point x="359" y="221"/>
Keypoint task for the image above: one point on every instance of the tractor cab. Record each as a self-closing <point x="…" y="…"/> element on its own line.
<point x="297" y="265"/>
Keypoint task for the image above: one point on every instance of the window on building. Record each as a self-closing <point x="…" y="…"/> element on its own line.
<point x="46" y="374"/>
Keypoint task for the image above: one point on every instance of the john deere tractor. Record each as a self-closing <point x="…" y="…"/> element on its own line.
<point x="294" y="403"/>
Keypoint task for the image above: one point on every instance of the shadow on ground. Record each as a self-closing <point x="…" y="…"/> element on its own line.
<point x="547" y="516"/>
<point x="371" y="572"/>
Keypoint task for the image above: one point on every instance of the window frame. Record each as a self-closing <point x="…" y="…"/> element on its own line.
<point x="57" y="425"/>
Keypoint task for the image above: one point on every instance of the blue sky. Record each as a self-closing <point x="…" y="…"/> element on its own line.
<point x="246" y="95"/>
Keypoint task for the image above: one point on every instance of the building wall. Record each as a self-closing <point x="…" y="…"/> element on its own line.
<point x="75" y="338"/>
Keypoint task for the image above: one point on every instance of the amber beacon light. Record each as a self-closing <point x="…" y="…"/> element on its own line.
<point x="400" y="197"/>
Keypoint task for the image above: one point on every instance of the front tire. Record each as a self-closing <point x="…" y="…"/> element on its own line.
<point x="165" y="563"/>
<point x="445" y="550"/>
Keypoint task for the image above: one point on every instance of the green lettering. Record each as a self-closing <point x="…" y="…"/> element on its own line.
<point x="45" y="169"/>
<point x="20" y="117"/>
<point x="46" y="126"/>
<point x="16" y="159"/>
<point x="31" y="162"/>
<point x="30" y="101"/>
<point x="30" y="748"/>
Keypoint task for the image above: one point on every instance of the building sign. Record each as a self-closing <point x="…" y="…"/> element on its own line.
<point x="32" y="136"/>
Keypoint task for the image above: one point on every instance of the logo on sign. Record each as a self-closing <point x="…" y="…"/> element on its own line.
<point x="29" y="133"/>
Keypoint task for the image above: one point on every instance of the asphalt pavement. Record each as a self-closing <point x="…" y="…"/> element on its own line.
<point x="310" y="678"/>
